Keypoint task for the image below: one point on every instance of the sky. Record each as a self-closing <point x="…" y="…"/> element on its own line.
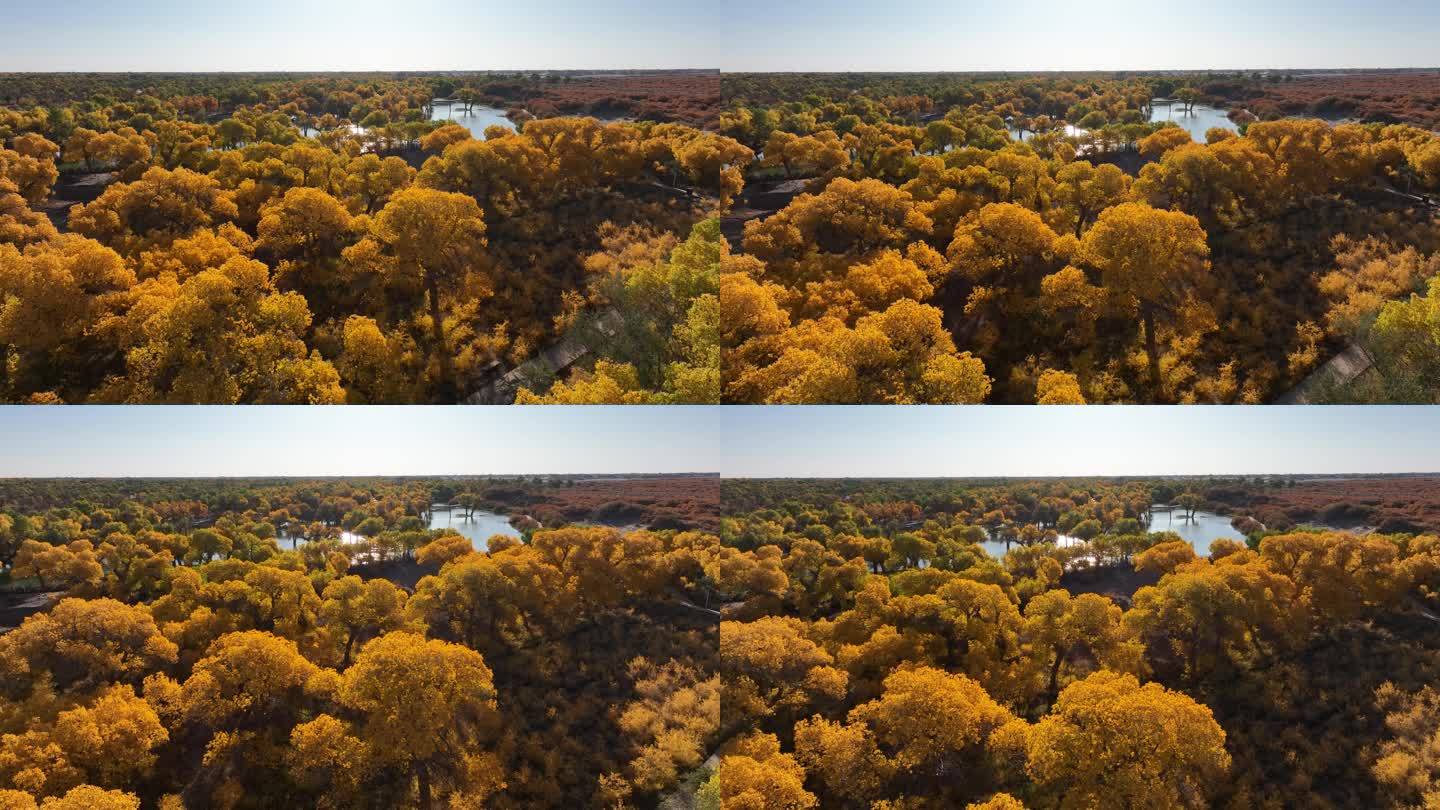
<point x="977" y="35"/>
<point x="163" y="441"/>
<point x="737" y="35"/>
<point x="738" y="441"/>
<point x="185" y="35"/>
<point x="996" y="440"/>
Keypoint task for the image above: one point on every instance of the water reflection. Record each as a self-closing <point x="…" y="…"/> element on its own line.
<point x="474" y="118"/>
<point x="1198" y="530"/>
<point x="997" y="548"/>
<point x="478" y="526"/>
<point x="1017" y="134"/>
<point x="1198" y="120"/>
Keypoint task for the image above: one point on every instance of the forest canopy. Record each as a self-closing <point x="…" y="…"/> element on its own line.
<point x="687" y="237"/>
<point x="332" y="238"/>
<point x="1033" y="644"/>
<point x="1064" y="238"/>
<point x="259" y="643"/>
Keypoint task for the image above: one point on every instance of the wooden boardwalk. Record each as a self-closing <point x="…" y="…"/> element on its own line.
<point x="543" y="367"/>
<point x="1337" y="373"/>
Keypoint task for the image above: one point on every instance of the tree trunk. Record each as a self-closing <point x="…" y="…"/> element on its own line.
<point x="437" y="326"/>
<point x="1055" y="674"/>
<point x="422" y="775"/>
<point x="1147" y="313"/>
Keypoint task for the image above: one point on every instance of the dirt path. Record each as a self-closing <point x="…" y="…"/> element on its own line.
<point x="74" y="189"/>
<point x="16" y="607"/>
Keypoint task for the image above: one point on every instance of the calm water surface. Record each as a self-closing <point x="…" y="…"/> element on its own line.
<point x="479" y="527"/>
<point x="476" y="119"/>
<point x="997" y="548"/>
<point x="1197" y="121"/>
<point x="1198" y="531"/>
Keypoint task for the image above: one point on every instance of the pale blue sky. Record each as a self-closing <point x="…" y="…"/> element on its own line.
<point x="1095" y="440"/>
<point x="733" y="440"/>
<point x="107" y="441"/>
<point x="1094" y="35"/>
<point x="832" y="35"/>
<point x="185" y="35"/>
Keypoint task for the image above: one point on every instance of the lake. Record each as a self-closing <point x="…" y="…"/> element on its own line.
<point x="997" y="548"/>
<point x="478" y="528"/>
<point x="1197" y="121"/>
<point x="1200" y="118"/>
<point x="1071" y="131"/>
<point x="476" y="119"/>
<point x="1199" y="531"/>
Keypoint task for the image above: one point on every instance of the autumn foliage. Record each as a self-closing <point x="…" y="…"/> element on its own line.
<point x="874" y="654"/>
<point x="326" y="241"/>
<point x="951" y="238"/>
<point x="259" y="662"/>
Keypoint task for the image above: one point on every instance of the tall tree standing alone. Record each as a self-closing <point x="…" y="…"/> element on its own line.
<point x="436" y="238"/>
<point x="1151" y="259"/>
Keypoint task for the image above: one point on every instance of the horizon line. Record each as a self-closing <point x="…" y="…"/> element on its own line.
<point x="719" y="70"/>
<point x="1069" y="477"/>
<point x="1095" y="70"/>
<point x="223" y="71"/>
<point x="353" y="475"/>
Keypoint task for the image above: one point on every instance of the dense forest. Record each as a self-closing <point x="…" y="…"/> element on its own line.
<point x="873" y="654"/>
<point x="238" y="644"/>
<point x="1007" y="238"/>
<point x="327" y="238"/>
<point x="751" y="238"/>
<point x="689" y="97"/>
